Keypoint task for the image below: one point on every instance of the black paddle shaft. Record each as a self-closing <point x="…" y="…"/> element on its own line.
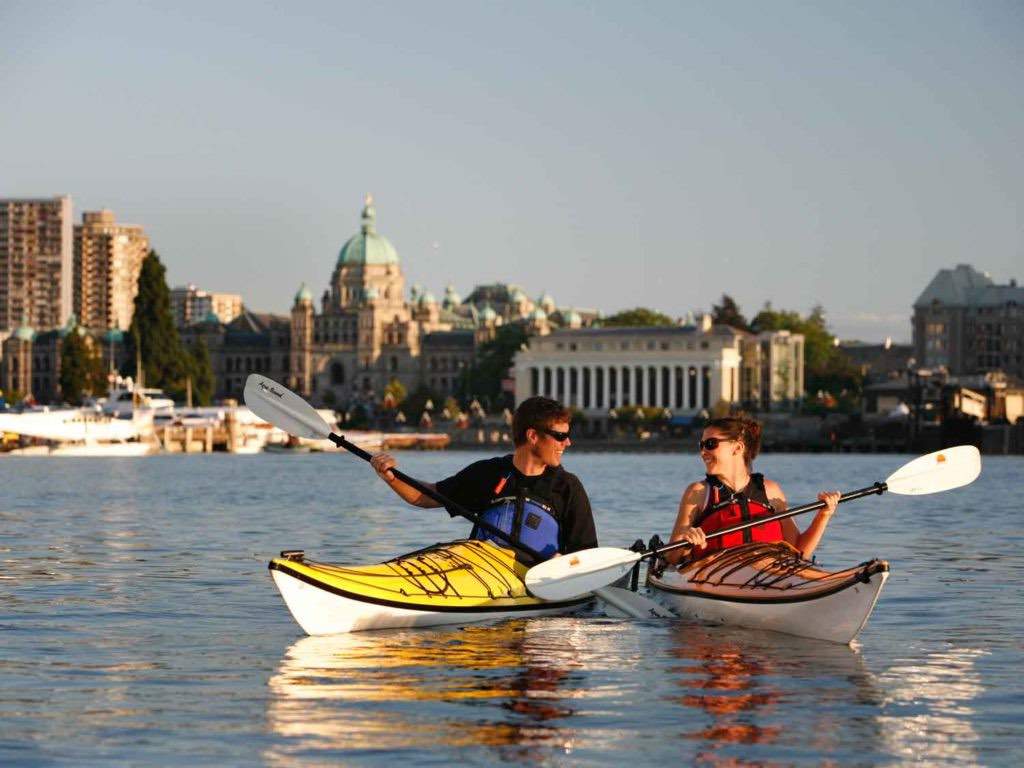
<point x="440" y="498"/>
<point x="878" y="488"/>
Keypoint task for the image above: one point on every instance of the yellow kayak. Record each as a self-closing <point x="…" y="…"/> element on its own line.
<point x="452" y="583"/>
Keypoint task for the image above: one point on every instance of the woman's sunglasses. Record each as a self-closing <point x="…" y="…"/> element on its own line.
<point x="710" y="443"/>
<point x="554" y="434"/>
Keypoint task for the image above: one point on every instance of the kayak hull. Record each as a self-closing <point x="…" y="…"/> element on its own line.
<point x="457" y="583"/>
<point x="768" y="587"/>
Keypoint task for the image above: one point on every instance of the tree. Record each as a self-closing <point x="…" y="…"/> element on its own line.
<point x="414" y="405"/>
<point x="165" y="362"/>
<point x="727" y="313"/>
<point x="638" y="317"/>
<point x="202" y="373"/>
<point x="826" y="367"/>
<point x="81" y="368"/>
<point x="483" y="379"/>
<point x="394" y="394"/>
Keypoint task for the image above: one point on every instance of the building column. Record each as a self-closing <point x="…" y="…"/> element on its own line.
<point x="607" y="384"/>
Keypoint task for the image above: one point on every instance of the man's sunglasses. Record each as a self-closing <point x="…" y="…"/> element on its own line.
<point x="710" y="443"/>
<point x="554" y="434"/>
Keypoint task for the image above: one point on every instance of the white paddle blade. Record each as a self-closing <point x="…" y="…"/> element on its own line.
<point x="569" y="576"/>
<point x="625" y="602"/>
<point x="939" y="471"/>
<point x="281" y="407"/>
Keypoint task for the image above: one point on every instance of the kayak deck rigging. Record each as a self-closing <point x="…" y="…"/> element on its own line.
<point x="430" y="572"/>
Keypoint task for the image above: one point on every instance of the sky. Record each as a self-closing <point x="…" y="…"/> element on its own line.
<point x="611" y="154"/>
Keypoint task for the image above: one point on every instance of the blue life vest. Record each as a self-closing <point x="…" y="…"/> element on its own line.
<point x="527" y="521"/>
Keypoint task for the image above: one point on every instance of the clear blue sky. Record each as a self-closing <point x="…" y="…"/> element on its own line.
<point x="613" y="154"/>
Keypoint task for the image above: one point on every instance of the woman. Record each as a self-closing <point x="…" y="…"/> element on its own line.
<point x="728" y="447"/>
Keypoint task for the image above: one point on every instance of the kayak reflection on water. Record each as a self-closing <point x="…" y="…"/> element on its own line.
<point x="352" y="692"/>
<point x="744" y="683"/>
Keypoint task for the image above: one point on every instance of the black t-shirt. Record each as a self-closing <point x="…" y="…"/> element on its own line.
<point x="478" y="485"/>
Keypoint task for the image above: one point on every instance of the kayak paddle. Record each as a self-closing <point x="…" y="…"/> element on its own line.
<point x="278" y="405"/>
<point x="275" y="403"/>
<point x="590" y="569"/>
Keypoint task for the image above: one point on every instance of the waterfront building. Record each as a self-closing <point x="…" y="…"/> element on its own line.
<point x="684" y="369"/>
<point x="965" y="323"/>
<point x="878" y="363"/>
<point x="35" y="262"/>
<point x="367" y="334"/>
<point x="190" y="304"/>
<point x="108" y="257"/>
<point x="30" y="363"/>
<point x="253" y="342"/>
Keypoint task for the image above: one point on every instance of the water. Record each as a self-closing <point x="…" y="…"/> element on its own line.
<point x="139" y="625"/>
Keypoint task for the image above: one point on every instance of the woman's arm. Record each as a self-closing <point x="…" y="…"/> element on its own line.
<point x="807" y="541"/>
<point x="684" y="529"/>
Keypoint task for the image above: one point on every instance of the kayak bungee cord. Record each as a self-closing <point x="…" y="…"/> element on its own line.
<point x="431" y="565"/>
<point x="773" y="564"/>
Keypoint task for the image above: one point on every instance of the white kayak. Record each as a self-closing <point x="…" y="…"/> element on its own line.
<point x="768" y="586"/>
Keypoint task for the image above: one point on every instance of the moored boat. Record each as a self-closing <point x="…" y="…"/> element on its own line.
<point x="769" y="586"/>
<point x="453" y="583"/>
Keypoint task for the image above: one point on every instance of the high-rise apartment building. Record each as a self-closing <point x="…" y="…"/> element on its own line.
<point x="191" y="305"/>
<point x="966" y="323"/>
<point x="35" y="262"/>
<point x="107" y="259"/>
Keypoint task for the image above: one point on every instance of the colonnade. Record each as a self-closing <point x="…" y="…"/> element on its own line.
<point x="588" y="387"/>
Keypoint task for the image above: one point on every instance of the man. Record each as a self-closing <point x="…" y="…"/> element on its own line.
<point x="527" y="494"/>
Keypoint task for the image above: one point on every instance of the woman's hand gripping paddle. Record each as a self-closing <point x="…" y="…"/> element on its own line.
<point x="278" y="405"/>
<point x="565" y="577"/>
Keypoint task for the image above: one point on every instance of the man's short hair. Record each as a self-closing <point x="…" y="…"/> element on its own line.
<point x="536" y="412"/>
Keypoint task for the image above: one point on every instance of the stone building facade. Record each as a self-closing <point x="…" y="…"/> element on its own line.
<point x="685" y="369"/>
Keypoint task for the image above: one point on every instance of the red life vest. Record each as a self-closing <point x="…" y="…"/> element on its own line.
<point x="746" y="505"/>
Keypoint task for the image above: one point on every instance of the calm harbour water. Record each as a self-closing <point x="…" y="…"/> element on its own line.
<point x="139" y="625"/>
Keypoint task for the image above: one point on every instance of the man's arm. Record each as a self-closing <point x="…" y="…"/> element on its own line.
<point x="383" y="463"/>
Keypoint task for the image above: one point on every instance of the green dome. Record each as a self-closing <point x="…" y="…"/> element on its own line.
<point x="24" y="332"/>
<point x="304" y="294"/>
<point x="451" y="299"/>
<point x="487" y="314"/>
<point x="368" y="247"/>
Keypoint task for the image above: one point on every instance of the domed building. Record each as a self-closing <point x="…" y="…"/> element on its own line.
<point x="367" y="334"/>
<point x="369" y="329"/>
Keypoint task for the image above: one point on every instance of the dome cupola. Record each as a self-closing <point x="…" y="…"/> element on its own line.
<point x="368" y="247"/>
